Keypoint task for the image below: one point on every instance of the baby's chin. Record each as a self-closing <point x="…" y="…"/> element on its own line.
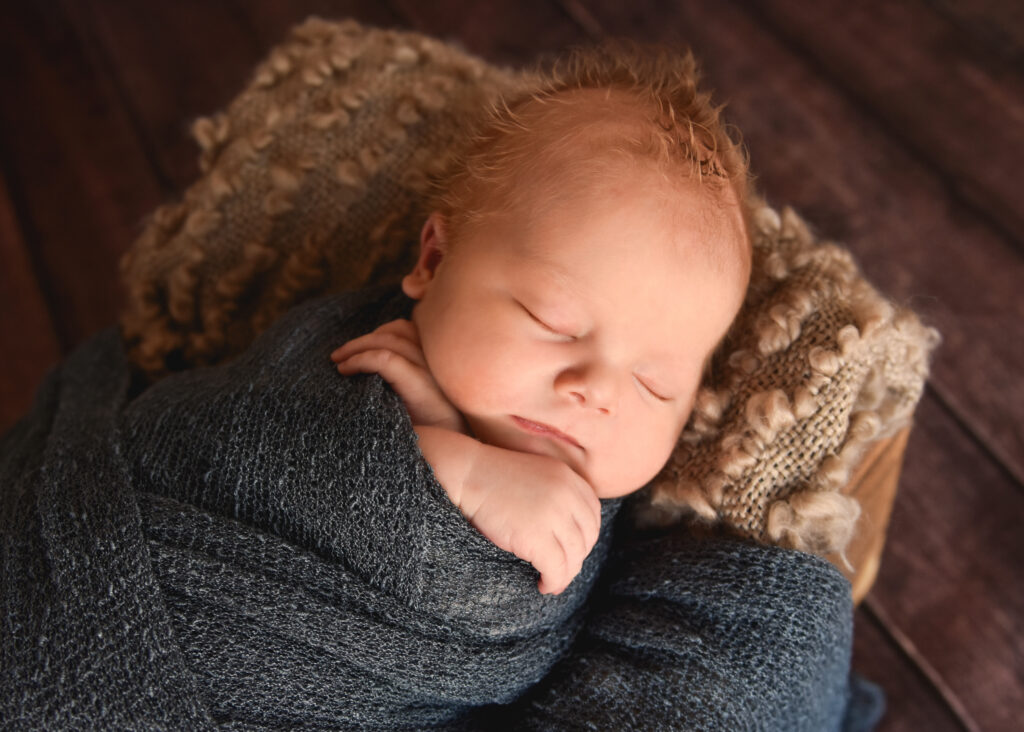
<point x="614" y="490"/>
<point x="608" y="483"/>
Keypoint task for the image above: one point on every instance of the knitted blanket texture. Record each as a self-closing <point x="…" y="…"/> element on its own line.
<point x="262" y="545"/>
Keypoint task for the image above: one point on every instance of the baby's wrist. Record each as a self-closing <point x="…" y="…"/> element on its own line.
<point x="454" y="423"/>
<point x="451" y="455"/>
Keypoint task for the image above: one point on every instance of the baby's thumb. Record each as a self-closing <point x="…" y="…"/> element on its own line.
<point x="547" y="587"/>
<point x="554" y="579"/>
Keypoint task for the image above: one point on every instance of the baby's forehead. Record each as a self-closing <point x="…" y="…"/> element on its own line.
<point x="656" y="238"/>
<point x="700" y="214"/>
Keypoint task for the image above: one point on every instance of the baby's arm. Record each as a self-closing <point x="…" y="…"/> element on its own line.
<point x="531" y="505"/>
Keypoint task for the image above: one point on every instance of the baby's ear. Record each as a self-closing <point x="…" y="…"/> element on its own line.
<point x="433" y="245"/>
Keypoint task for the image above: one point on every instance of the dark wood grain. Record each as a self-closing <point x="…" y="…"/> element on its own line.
<point x="175" y="62"/>
<point x="269" y="20"/>
<point x="73" y="155"/>
<point x="957" y="108"/>
<point x="501" y="32"/>
<point x="911" y="703"/>
<point x="993" y="27"/>
<point x="952" y="578"/>
<point x="27" y="339"/>
<point x="172" y="62"/>
<point x="817" y="150"/>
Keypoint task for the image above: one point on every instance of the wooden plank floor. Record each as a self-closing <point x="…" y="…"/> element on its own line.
<point x="896" y="128"/>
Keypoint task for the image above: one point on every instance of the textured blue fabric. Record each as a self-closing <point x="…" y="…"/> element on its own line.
<point x="866" y="705"/>
<point x="705" y="634"/>
<point x="262" y="545"/>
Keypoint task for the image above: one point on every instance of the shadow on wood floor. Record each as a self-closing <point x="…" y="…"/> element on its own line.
<point x="895" y="128"/>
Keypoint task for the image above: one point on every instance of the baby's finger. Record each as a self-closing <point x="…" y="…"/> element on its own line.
<point x="556" y="569"/>
<point x="589" y="517"/>
<point x="575" y="552"/>
<point x="414" y="384"/>
<point x="402" y="327"/>
<point x="550" y="584"/>
<point x="381" y="341"/>
<point x="366" y="342"/>
<point x="586" y="533"/>
<point x="406" y="377"/>
<point x="573" y="543"/>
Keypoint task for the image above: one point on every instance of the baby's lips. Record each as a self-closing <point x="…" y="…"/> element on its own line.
<point x="545" y="429"/>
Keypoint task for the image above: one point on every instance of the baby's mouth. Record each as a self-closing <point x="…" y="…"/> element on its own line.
<point x="545" y="430"/>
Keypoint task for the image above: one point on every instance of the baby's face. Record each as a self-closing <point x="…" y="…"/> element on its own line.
<point x="579" y="331"/>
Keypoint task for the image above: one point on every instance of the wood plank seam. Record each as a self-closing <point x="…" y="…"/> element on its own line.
<point x="973" y="202"/>
<point x="583" y="18"/>
<point x="930" y="676"/>
<point x="992" y="453"/>
<point x="244" y="20"/>
<point x="396" y="9"/>
<point x="83" y="23"/>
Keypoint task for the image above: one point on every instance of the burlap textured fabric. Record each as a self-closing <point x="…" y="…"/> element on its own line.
<point x="816" y="368"/>
<point x="312" y="181"/>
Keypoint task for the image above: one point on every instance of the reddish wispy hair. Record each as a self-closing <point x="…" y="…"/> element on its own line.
<point x="595" y="109"/>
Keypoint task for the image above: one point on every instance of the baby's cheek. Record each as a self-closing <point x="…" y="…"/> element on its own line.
<point x="471" y="378"/>
<point x="628" y="463"/>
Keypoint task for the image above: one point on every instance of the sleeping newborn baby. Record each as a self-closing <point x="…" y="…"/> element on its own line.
<point x="304" y="553"/>
<point x="585" y="257"/>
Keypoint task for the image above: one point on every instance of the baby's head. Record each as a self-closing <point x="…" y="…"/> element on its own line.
<point x="584" y="259"/>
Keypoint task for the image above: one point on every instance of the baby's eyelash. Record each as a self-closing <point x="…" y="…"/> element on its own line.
<point x="544" y="325"/>
<point x="652" y="392"/>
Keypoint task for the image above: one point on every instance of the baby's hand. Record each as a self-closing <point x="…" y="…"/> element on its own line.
<point x="535" y="507"/>
<point x="394" y="352"/>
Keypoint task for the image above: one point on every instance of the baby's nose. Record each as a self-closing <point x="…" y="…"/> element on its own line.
<point x="590" y="386"/>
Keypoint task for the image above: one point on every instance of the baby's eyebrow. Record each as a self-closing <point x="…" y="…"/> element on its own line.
<point x="554" y="287"/>
<point x="558" y="277"/>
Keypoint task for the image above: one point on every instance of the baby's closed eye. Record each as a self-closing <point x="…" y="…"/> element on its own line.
<point x="656" y="392"/>
<point x="560" y="331"/>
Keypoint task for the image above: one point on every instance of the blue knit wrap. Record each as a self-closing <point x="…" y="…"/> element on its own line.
<point x="262" y="544"/>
